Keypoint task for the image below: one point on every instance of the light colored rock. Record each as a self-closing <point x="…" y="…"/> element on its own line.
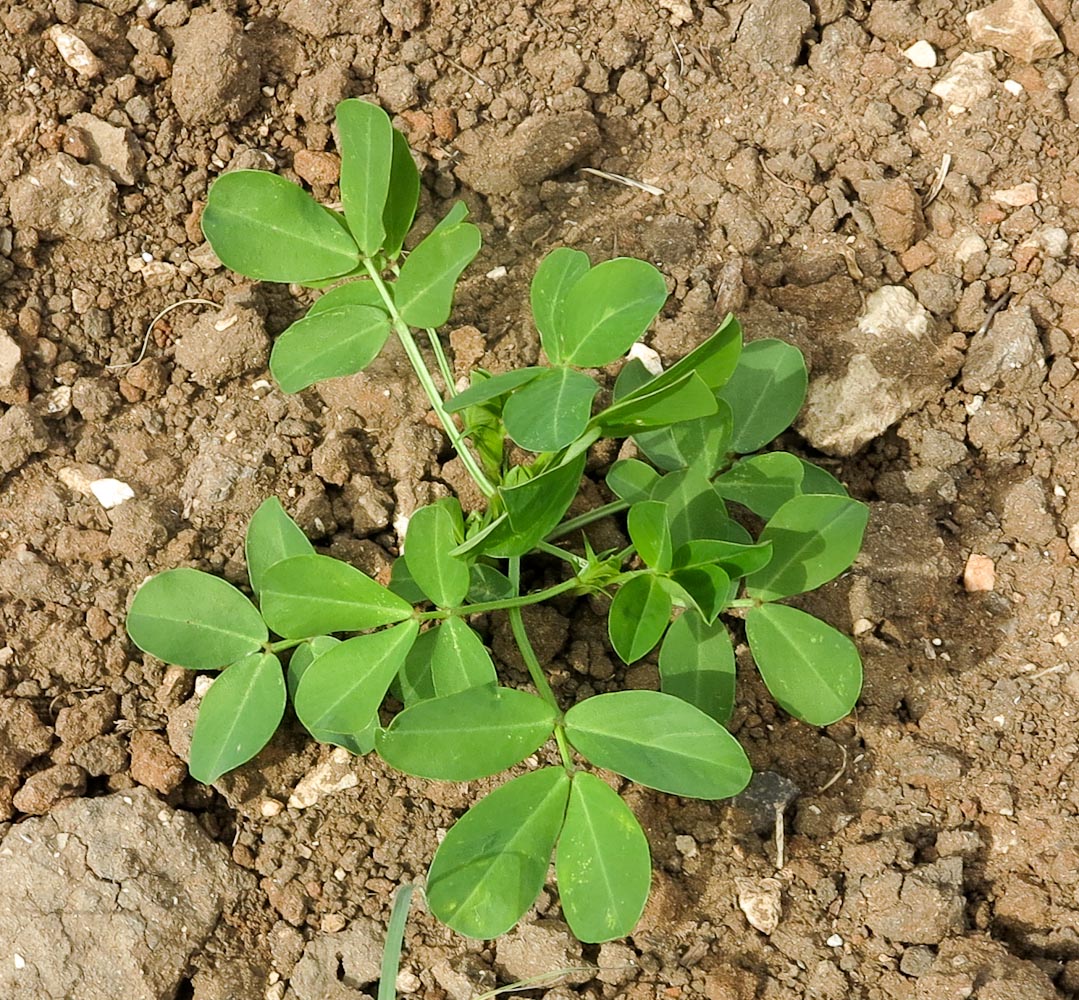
<point x="891" y="371"/>
<point x="13" y="377"/>
<point x="115" y="149"/>
<point x="761" y="900"/>
<point x="969" y="79"/>
<point x="62" y="197"/>
<point x="1009" y="350"/>
<point x="75" y="52"/>
<point x="979" y="574"/>
<point x="537" y="949"/>
<point x="334" y="774"/>
<point x="357" y="951"/>
<point x="1017" y="197"/>
<point x="1017" y="27"/>
<point x="922" y="54"/>
<point x="109" y="897"/>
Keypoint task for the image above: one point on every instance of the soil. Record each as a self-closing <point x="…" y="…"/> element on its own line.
<point x="931" y="846"/>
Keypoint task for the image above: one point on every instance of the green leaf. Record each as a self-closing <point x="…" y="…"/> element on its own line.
<point x="492" y="864"/>
<point x="551" y="411"/>
<point x="608" y="309"/>
<point x="328" y="344"/>
<point x="403" y="585"/>
<point x="714" y="360"/>
<point x="433" y="533"/>
<point x="701" y="443"/>
<point x="194" y="620"/>
<point x="366" y="141"/>
<point x="812" y="671"/>
<point x="650" y="533"/>
<point x="272" y="536"/>
<point x="737" y="558"/>
<point x="315" y="595"/>
<point x="270" y="229"/>
<point x="459" y="660"/>
<point x="535" y="507"/>
<point x="639" y="613"/>
<point x="401" y="199"/>
<point x="814" y="538"/>
<point x="425" y="286"/>
<point x="687" y="399"/>
<point x="762" y="483"/>
<point x="351" y="293"/>
<point x="765" y="392"/>
<point x="360" y="741"/>
<point x="486" y="389"/>
<point x="557" y="273"/>
<point x="694" y="509"/>
<point x="631" y="480"/>
<point x="304" y="655"/>
<point x="458" y="213"/>
<point x="468" y="735"/>
<point x="237" y="716"/>
<point x="488" y="584"/>
<point x="707" y="587"/>
<point x="696" y="664"/>
<point x="415" y="679"/>
<point x="659" y="741"/>
<point x="603" y="865"/>
<point x="342" y="689"/>
<point x="816" y="480"/>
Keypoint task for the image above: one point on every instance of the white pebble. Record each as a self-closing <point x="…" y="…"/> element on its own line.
<point x="835" y="941"/>
<point x="647" y="357"/>
<point x="111" y="492"/>
<point x="75" y="52"/>
<point x="922" y="54"/>
<point x="1013" y="87"/>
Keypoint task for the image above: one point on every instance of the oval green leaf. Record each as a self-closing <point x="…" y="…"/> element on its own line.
<point x="639" y="613"/>
<point x="237" y="717"/>
<point x="603" y="864"/>
<point x="814" y="538"/>
<point x="328" y="344"/>
<point x="342" y="689"/>
<point x="696" y="664"/>
<point x="401" y="199"/>
<point x="631" y="480"/>
<point x="468" y="735"/>
<point x="659" y="741"/>
<point x="694" y="509"/>
<point x="557" y="273"/>
<point x="765" y="392"/>
<point x="650" y="532"/>
<point x="366" y="140"/>
<point x="708" y="589"/>
<point x="817" y="480"/>
<point x="425" y="286"/>
<point x="270" y="229"/>
<point x="194" y="620"/>
<point x="360" y="742"/>
<point x="459" y="660"/>
<point x="433" y="533"/>
<point x="492" y="864"/>
<point x="701" y="443"/>
<point x="272" y="536"/>
<point x="762" y="483"/>
<point x="352" y="293"/>
<point x="608" y="309"/>
<point x="315" y="595"/>
<point x="686" y="399"/>
<point x="813" y="671"/>
<point x="483" y="390"/>
<point x="551" y="411"/>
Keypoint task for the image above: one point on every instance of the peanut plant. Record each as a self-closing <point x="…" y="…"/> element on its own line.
<point x="398" y="669"/>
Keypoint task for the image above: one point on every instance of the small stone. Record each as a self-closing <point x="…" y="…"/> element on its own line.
<point x="1009" y="351"/>
<point x="115" y="149"/>
<point x="215" y="75"/>
<point x="773" y="31"/>
<point x="218" y="347"/>
<point x="62" y="197"/>
<point x="766" y="793"/>
<point x="835" y="941"/>
<point x="761" y="901"/>
<point x="87" y="718"/>
<point x="969" y="79"/>
<point x="153" y="763"/>
<point x="896" y="210"/>
<point x="398" y="88"/>
<point x="979" y="575"/>
<point x="531" y="950"/>
<point x="1017" y="197"/>
<point x="922" y="54"/>
<point x="14" y="380"/>
<point x="1017" y="27"/>
<point x="317" y="168"/>
<point x="41" y="791"/>
<point x="334" y="774"/>
<point x="111" y="492"/>
<point x="75" y="52"/>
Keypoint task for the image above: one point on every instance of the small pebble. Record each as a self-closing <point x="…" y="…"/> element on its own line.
<point x="835" y="941"/>
<point x="1017" y="197"/>
<point x="922" y="54"/>
<point x="75" y="52"/>
<point x="979" y="575"/>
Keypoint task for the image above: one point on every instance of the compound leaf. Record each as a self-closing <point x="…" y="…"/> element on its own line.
<point x="433" y="533"/>
<point x="342" y="689"/>
<point x="328" y="344"/>
<point x="607" y="309"/>
<point x="659" y="741"/>
<point x="814" y="538"/>
<point x="270" y="229"/>
<point x="314" y="595"/>
<point x="366" y="141"/>
<point x="491" y="865"/>
<point x="272" y="536"/>
<point x="762" y="483"/>
<point x="603" y="864"/>
<point x="468" y="735"/>
<point x="194" y="620"/>
<point x="237" y="717"/>
<point x="765" y="392"/>
<point x="557" y="273"/>
<point x="639" y="613"/>
<point x="551" y="411"/>
<point x="696" y="664"/>
<point x="425" y="286"/>
<point x="813" y="671"/>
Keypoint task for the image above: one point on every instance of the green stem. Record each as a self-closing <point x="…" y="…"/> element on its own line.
<point x="404" y="334"/>
<point x="583" y="520"/>
<point x="576" y="561"/>
<point x="506" y="604"/>
<point x="281" y="644"/>
<point x="443" y="361"/>
<point x="745" y="602"/>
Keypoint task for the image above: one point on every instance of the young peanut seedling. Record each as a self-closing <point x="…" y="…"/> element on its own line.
<point x="699" y="426"/>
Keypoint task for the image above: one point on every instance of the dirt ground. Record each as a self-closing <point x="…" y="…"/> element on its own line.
<point x="931" y="847"/>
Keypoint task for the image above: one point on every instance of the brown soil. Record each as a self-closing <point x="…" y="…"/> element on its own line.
<point x="932" y="850"/>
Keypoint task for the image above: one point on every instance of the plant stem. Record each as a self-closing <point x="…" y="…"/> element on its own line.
<point x="745" y="602"/>
<point x="443" y="362"/>
<point x="282" y="644"/>
<point x="576" y="561"/>
<point x="506" y="604"/>
<point x="583" y="520"/>
<point x="404" y="334"/>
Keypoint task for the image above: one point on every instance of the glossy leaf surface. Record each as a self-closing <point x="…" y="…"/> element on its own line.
<point x="639" y="613"/>
<point x="272" y="536"/>
<point x="328" y="344"/>
<point x="696" y="664"/>
<point x="557" y="273"/>
<point x="366" y="158"/>
<point x="551" y="411"/>
<point x="424" y="289"/>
